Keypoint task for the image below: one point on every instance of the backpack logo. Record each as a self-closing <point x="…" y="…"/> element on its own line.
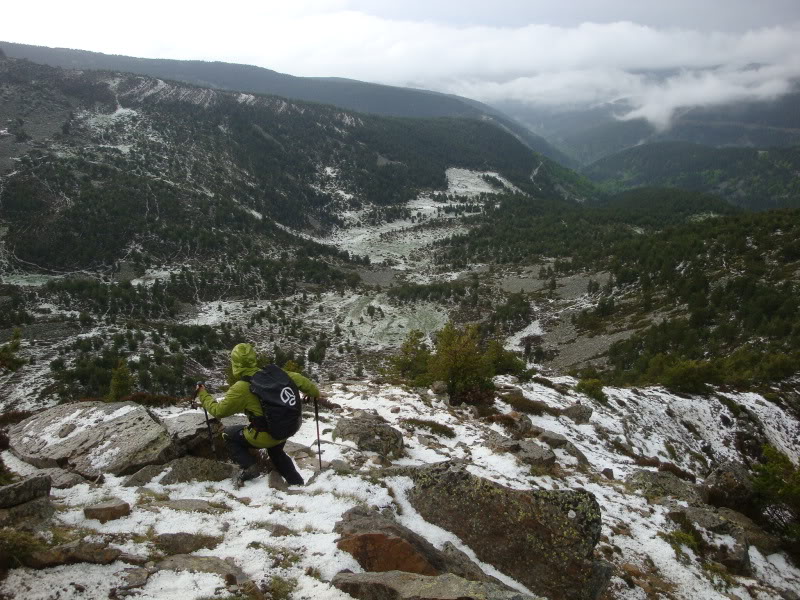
<point x="288" y="397"/>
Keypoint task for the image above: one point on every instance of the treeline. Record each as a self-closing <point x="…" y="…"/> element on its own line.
<point x="524" y="229"/>
<point x="735" y="279"/>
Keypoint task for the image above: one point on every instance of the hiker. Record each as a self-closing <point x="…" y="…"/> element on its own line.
<point x="239" y="399"/>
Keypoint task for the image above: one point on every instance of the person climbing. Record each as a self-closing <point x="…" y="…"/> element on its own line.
<point x="239" y="399"/>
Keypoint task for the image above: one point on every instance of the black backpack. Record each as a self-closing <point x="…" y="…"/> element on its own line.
<point x="280" y="401"/>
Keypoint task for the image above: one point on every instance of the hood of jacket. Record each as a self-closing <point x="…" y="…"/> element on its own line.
<point x="244" y="361"/>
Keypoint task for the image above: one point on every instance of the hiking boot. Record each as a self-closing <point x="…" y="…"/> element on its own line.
<point x="247" y="474"/>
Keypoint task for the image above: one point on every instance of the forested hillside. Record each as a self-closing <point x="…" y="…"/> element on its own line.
<point x="146" y="168"/>
<point x="754" y="179"/>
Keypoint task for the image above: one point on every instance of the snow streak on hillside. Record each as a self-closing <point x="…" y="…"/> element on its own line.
<point x="634" y="527"/>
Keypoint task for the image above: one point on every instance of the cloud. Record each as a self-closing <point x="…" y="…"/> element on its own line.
<point x="658" y="71"/>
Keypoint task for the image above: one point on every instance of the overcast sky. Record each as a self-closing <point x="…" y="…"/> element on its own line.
<point x="541" y="52"/>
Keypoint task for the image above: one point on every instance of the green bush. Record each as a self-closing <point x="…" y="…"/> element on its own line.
<point x="592" y="388"/>
<point x="459" y="362"/>
<point x="411" y="363"/>
<point x="777" y="483"/>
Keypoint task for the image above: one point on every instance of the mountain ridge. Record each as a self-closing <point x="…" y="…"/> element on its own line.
<point x="346" y="93"/>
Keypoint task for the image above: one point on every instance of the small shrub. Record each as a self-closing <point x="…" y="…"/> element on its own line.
<point x="679" y="539"/>
<point x="16" y="546"/>
<point x="432" y="426"/>
<point x="592" y="388"/>
<point x="281" y="588"/>
<point x="532" y="407"/>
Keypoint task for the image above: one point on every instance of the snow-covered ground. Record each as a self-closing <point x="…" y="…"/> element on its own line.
<point x="632" y="525"/>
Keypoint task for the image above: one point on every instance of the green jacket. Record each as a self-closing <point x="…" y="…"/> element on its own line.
<point x="239" y="398"/>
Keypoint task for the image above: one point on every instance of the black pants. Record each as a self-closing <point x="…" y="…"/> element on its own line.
<point x="239" y="448"/>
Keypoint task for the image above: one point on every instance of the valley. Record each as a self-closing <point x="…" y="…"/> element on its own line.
<point x="472" y="310"/>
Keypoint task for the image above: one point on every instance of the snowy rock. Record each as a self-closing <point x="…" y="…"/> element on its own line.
<point x="397" y="585"/>
<point x="24" y="491"/>
<point x="660" y="484"/>
<point x="370" y="433"/>
<point x="78" y="551"/>
<point x="189" y="505"/>
<point x="62" y="479"/>
<point x="543" y="539"/>
<point x="92" y="438"/>
<point x="183" y="470"/>
<point x="554" y="440"/>
<point x="188" y="429"/>
<point x="33" y="511"/>
<point x="379" y="543"/>
<point x="108" y="511"/>
<point x="527" y="452"/>
<point x="729" y="485"/>
<point x="439" y="387"/>
<point x="579" y="413"/>
<point x="204" y="564"/>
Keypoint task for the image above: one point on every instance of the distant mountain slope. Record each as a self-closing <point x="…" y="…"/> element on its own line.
<point x="345" y="93"/>
<point x="755" y="179"/>
<point x="107" y="164"/>
<point x="589" y="134"/>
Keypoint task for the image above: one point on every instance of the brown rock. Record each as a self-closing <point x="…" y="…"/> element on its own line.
<point x="108" y="511"/>
<point x="382" y="552"/>
<point x="185" y="543"/>
<point x="379" y="543"/>
<point x="74" y="552"/>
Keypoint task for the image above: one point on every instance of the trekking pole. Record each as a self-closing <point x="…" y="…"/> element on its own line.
<point x="319" y="444"/>
<point x="208" y="423"/>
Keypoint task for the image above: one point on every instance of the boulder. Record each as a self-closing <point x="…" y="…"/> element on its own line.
<point x="397" y="585"/>
<point x="185" y="543"/>
<point x="370" y="433"/>
<point x="92" y="438"/>
<point x="552" y="439"/>
<point x="62" y="479"/>
<point x="188" y="429"/>
<point x="579" y="413"/>
<point x="727" y="544"/>
<point x="75" y="552"/>
<point x="379" y="543"/>
<point x="543" y="539"/>
<point x="228" y="570"/>
<point x="188" y="505"/>
<point x="729" y="485"/>
<point x="660" y="484"/>
<point x="439" y="387"/>
<point x="24" y="491"/>
<point x="183" y="470"/>
<point x="527" y="452"/>
<point x="33" y="511"/>
<point x="108" y="511"/>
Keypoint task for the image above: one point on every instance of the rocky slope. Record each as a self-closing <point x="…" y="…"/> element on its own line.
<point x="576" y="499"/>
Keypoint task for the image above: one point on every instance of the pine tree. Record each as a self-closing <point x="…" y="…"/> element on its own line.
<point x="459" y="362"/>
<point x="121" y="382"/>
<point x="8" y="353"/>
